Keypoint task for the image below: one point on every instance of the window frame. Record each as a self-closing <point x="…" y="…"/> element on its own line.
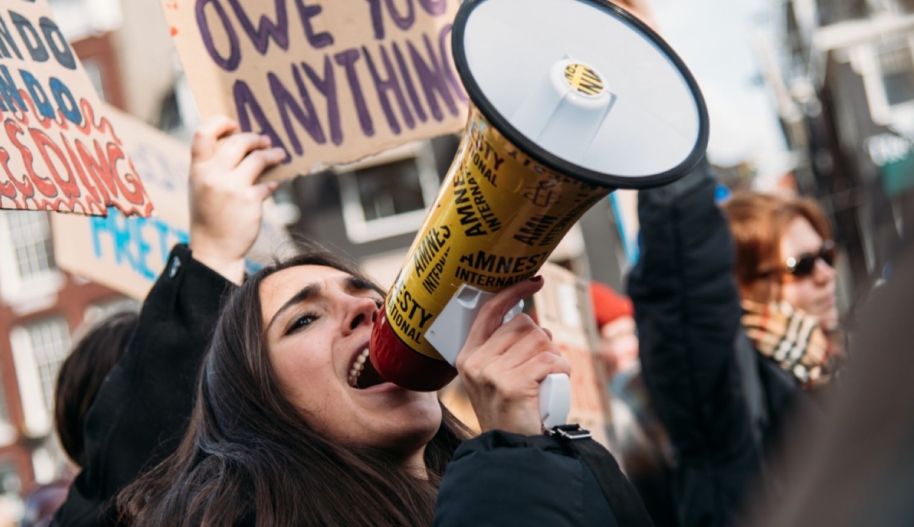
<point x="15" y="288"/>
<point x="361" y="230"/>
<point x="865" y="59"/>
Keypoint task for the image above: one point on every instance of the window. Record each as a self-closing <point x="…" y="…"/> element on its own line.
<point x="887" y="67"/>
<point x="50" y="341"/>
<point x="389" y="195"/>
<point x="31" y="237"/>
<point x="39" y="348"/>
<point x="897" y="67"/>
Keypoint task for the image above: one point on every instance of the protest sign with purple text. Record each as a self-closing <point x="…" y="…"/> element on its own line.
<point x="330" y="81"/>
<point x="58" y="149"/>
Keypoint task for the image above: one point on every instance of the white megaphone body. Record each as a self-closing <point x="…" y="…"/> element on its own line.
<point x="571" y="99"/>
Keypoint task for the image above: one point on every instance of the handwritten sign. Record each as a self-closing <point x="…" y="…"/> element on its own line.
<point x="128" y="254"/>
<point x="563" y="306"/>
<point x="58" y="149"/>
<point x="330" y="81"/>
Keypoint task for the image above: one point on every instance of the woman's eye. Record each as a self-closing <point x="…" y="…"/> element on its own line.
<point x="379" y="303"/>
<point x="302" y="322"/>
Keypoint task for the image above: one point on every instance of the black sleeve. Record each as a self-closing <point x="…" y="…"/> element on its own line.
<point x="142" y="407"/>
<point x="688" y="314"/>
<point x="507" y="479"/>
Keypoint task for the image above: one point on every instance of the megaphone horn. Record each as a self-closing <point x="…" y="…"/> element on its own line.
<point x="570" y="100"/>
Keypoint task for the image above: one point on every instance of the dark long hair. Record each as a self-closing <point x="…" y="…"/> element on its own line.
<point x="248" y="453"/>
<point x="81" y="376"/>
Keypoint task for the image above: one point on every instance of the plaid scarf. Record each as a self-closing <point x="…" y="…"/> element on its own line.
<point x="792" y="339"/>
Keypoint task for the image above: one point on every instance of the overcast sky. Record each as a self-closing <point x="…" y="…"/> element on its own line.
<point x="717" y="40"/>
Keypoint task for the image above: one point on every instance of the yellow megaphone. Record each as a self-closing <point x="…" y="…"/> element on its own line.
<point x="571" y="99"/>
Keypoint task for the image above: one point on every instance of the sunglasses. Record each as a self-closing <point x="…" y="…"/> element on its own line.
<point x="805" y="264"/>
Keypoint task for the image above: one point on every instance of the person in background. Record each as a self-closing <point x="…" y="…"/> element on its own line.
<point x="142" y="408"/>
<point x="78" y="381"/>
<point x="636" y="433"/>
<point x="81" y="375"/>
<point x="733" y="337"/>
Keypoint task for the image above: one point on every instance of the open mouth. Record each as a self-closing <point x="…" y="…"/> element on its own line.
<point x="362" y="374"/>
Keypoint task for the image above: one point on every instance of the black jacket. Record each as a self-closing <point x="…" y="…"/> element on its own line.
<point x="722" y="403"/>
<point x="143" y="406"/>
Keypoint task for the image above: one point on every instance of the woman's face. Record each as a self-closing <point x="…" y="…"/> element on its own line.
<point x="814" y="294"/>
<point x="318" y="321"/>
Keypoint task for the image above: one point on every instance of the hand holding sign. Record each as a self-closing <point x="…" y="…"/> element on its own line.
<point x="226" y="206"/>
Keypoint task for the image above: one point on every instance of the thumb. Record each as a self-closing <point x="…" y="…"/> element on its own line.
<point x="493" y="312"/>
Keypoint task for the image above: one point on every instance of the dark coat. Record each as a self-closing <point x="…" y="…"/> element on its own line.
<point x="722" y="403"/>
<point x="142" y="407"/>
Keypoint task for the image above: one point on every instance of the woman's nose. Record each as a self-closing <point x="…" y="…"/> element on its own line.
<point x="360" y="311"/>
<point x="824" y="273"/>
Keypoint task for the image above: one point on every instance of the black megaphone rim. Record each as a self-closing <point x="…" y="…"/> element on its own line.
<point x="554" y="162"/>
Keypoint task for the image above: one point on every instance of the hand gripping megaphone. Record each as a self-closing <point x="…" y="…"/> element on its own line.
<point x="570" y="100"/>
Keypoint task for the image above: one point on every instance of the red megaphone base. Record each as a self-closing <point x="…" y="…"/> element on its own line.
<point x="399" y="364"/>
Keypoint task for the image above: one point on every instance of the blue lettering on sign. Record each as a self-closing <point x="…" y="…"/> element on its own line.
<point x="133" y="239"/>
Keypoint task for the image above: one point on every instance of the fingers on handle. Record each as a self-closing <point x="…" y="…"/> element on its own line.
<point x="544" y="364"/>
<point x="491" y="315"/>
<point x="208" y="134"/>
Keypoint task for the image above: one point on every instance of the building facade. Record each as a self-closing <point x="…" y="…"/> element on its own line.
<point x="845" y="90"/>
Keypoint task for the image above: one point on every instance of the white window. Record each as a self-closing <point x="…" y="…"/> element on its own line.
<point x="27" y="267"/>
<point x="887" y="68"/>
<point x="389" y="194"/>
<point x="39" y="348"/>
<point x="31" y="238"/>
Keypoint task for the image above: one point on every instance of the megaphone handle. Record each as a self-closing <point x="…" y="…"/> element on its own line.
<point x="555" y="390"/>
<point x="555" y="400"/>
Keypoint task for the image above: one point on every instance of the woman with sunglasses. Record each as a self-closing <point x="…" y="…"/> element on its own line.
<point x="731" y="365"/>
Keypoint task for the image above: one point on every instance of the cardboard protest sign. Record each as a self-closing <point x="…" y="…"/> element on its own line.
<point x="58" y="149"/>
<point x="330" y="81"/>
<point x="127" y="254"/>
<point x="563" y="306"/>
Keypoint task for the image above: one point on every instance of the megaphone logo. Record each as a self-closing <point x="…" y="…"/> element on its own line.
<point x="532" y="161"/>
<point x="584" y="79"/>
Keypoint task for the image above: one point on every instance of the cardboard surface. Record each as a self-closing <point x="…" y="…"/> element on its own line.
<point x="127" y="254"/>
<point x="331" y="81"/>
<point x="58" y="149"/>
<point x="563" y="306"/>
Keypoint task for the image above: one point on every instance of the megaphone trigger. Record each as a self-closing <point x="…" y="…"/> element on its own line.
<point x="555" y="400"/>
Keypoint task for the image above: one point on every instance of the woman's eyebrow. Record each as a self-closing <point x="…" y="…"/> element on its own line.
<point x="304" y="294"/>
<point x="355" y="283"/>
